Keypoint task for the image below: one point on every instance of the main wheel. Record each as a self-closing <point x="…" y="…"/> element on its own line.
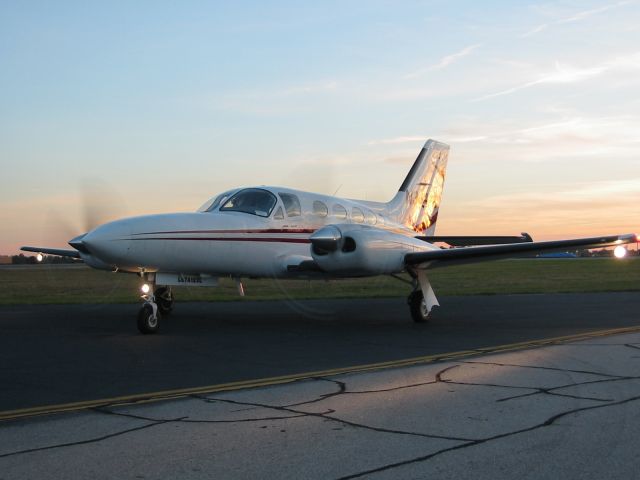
<point x="147" y="321"/>
<point x="418" y="307"/>
<point x="164" y="300"/>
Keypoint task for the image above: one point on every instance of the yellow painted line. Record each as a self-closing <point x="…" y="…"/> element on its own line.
<point x="265" y="382"/>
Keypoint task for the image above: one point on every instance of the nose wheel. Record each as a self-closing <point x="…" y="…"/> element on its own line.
<point x="148" y="317"/>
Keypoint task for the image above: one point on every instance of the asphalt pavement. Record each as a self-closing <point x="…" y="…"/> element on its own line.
<point x="566" y="410"/>
<point x="55" y="354"/>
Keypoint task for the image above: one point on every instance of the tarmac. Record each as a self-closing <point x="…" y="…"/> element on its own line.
<point x="59" y="354"/>
<point x="570" y="409"/>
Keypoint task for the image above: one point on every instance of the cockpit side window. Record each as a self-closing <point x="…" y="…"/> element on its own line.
<point x="291" y="204"/>
<point x="251" y="200"/>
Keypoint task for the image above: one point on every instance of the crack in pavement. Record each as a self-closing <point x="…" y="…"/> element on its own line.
<point x="332" y="418"/>
<point x="107" y="411"/>
<point x="540" y="390"/>
<point x="340" y="391"/>
<point x="438" y="379"/>
<point x="551" y="391"/>
<point x="546" y="423"/>
<point x="538" y="367"/>
<point x="632" y="345"/>
<point x="87" y="441"/>
<point x="291" y="410"/>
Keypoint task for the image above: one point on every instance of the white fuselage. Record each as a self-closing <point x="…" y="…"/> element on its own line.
<point x="236" y="243"/>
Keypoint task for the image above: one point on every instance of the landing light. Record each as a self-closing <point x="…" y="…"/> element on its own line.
<point x="39" y="257"/>
<point x="620" y="251"/>
<point x="145" y="288"/>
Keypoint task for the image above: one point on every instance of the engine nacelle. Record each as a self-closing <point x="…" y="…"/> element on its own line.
<point x="362" y="250"/>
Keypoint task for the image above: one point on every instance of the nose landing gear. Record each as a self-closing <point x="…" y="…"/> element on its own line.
<point x="148" y="317"/>
<point x="157" y="303"/>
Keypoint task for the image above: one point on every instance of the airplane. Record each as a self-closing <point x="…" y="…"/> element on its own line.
<point x="275" y="232"/>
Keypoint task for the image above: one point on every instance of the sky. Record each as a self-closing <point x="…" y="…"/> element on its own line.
<point x="111" y="109"/>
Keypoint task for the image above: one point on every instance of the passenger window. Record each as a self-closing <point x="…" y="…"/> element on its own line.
<point x="251" y="200"/>
<point x="279" y="215"/>
<point x="357" y="215"/>
<point x="369" y="217"/>
<point x="320" y="209"/>
<point x="291" y="204"/>
<point x="339" y="212"/>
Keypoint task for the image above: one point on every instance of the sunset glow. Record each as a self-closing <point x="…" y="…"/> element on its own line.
<point x="111" y="111"/>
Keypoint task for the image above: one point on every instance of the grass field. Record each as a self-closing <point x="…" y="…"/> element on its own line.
<point x="42" y="284"/>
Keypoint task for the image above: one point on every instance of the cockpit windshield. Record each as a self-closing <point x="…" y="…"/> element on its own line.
<point x="251" y="200"/>
<point x="214" y="202"/>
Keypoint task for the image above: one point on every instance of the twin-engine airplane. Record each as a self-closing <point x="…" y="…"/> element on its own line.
<point x="282" y="233"/>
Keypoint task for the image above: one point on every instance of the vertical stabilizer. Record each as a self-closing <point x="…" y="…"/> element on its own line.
<point x="417" y="202"/>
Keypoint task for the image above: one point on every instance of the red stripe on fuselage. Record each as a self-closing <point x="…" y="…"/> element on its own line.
<point x="232" y="239"/>
<point x="268" y="230"/>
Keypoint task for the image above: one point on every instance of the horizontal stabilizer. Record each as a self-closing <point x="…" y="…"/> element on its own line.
<point x="52" y="251"/>
<point x="467" y="241"/>
<point x="456" y="256"/>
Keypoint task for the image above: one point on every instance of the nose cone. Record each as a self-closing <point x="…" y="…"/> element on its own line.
<point x="78" y="244"/>
<point x="108" y="242"/>
<point x="326" y="239"/>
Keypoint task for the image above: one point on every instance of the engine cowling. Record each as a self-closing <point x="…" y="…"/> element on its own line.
<point x="362" y="250"/>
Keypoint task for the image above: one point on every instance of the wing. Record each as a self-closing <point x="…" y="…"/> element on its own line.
<point x="467" y="241"/>
<point x="52" y="251"/>
<point x="457" y="256"/>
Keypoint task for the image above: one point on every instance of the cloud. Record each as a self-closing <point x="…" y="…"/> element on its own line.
<point x="444" y="61"/>
<point x="618" y="130"/>
<point x="418" y="138"/>
<point x="572" y="139"/>
<point x="577" y="17"/>
<point x="589" y="209"/>
<point x="565" y="74"/>
<point x="397" y="140"/>
<point x="594" y="11"/>
<point x="535" y="30"/>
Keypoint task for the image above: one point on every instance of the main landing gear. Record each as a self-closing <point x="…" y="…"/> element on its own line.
<point x="157" y="303"/>
<point x="418" y="307"/>
<point x="422" y="299"/>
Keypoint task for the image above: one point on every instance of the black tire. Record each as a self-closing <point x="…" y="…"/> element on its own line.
<point x="147" y="323"/>
<point x="417" y="307"/>
<point x="164" y="300"/>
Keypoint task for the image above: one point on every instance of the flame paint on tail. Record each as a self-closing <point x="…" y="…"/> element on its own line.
<point x="417" y="202"/>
